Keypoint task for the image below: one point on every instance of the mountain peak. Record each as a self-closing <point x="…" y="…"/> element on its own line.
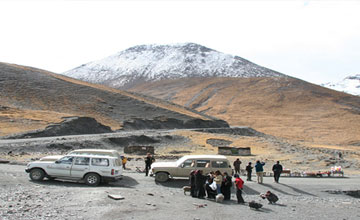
<point x="154" y="62"/>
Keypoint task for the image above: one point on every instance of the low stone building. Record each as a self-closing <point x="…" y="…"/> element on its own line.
<point x="236" y="151"/>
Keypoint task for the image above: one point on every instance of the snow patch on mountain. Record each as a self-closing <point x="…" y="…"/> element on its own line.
<point x="155" y="62"/>
<point x="350" y="84"/>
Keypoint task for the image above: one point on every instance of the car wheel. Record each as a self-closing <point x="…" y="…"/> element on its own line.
<point x="92" y="179"/>
<point x="37" y="174"/>
<point x="162" y="177"/>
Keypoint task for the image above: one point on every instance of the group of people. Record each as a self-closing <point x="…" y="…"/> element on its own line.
<point x="259" y="169"/>
<point x="213" y="184"/>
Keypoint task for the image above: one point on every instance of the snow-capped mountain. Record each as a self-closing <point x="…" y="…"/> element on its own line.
<point x="155" y="62"/>
<point x="350" y="84"/>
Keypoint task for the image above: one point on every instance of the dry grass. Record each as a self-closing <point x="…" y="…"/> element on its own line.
<point x="32" y="89"/>
<point x="165" y="105"/>
<point x="287" y="108"/>
<point x="17" y="120"/>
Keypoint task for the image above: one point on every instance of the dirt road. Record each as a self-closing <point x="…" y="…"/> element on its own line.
<point x="300" y="198"/>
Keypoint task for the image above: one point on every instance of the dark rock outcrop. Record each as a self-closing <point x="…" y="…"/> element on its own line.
<point x="172" y="123"/>
<point x="243" y="131"/>
<point x="70" y="126"/>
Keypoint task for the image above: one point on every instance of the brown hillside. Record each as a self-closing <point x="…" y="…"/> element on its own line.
<point x="284" y="107"/>
<point x="31" y="99"/>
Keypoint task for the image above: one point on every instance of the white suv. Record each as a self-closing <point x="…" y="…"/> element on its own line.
<point x="93" y="169"/>
<point x="182" y="167"/>
<point x="101" y="152"/>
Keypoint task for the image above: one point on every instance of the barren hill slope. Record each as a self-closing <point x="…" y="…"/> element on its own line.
<point x="31" y="98"/>
<point x="284" y="107"/>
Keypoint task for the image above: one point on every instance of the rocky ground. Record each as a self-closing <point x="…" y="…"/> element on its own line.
<point x="171" y="144"/>
<point x="300" y="198"/>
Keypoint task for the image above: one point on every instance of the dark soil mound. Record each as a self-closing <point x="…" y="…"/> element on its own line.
<point x="353" y="193"/>
<point x="171" y="123"/>
<point x="70" y="126"/>
<point x="244" y="131"/>
<point x="133" y="140"/>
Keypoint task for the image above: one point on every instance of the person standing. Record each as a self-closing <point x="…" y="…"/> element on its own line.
<point x="124" y="161"/>
<point x="192" y="183"/>
<point x="277" y="169"/>
<point x="239" y="184"/>
<point x="148" y="161"/>
<point x="259" y="168"/>
<point x="218" y="180"/>
<point x="236" y="164"/>
<point x="249" y="171"/>
<point x="200" y="180"/>
<point x="226" y="186"/>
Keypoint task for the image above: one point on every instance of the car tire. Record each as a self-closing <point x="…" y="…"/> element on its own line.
<point x="161" y="177"/>
<point x="37" y="174"/>
<point x="92" y="179"/>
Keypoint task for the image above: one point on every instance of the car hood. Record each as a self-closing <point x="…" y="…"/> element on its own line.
<point x="164" y="164"/>
<point x="51" y="158"/>
<point x="40" y="163"/>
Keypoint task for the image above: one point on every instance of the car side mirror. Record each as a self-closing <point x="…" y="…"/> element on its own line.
<point x="182" y="165"/>
<point x="58" y="161"/>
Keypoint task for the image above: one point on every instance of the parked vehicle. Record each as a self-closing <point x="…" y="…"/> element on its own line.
<point x="93" y="169"/>
<point x="100" y="152"/>
<point x="182" y="167"/>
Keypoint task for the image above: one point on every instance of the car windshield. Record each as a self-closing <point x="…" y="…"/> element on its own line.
<point x="180" y="161"/>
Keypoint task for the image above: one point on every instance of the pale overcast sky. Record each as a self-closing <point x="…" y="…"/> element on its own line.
<point x="318" y="41"/>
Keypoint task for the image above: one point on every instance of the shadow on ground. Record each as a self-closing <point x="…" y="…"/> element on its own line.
<point x="174" y="183"/>
<point x="298" y="190"/>
<point x="248" y="191"/>
<point x="126" y="182"/>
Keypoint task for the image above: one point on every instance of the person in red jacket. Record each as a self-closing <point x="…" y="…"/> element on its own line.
<point x="239" y="184"/>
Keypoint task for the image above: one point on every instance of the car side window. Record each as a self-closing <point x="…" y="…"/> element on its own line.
<point x="189" y="163"/>
<point x="100" y="162"/>
<point x="82" y="161"/>
<point x="219" y="164"/>
<point x="66" y="160"/>
<point x="203" y="163"/>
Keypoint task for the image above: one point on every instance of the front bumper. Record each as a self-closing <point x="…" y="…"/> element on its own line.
<point x="27" y="170"/>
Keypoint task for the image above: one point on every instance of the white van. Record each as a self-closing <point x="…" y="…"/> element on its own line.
<point x="182" y="167"/>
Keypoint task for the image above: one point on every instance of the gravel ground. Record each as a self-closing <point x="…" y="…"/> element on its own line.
<point x="300" y="198"/>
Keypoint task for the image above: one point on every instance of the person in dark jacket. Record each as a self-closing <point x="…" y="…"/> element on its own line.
<point x="200" y="180"/>
<point x="149" y="159"/>
<point x="226" y="186"/>
<point x="277" y="169"/>
<point x="249" y="171"/>
<point x="192" y="183"/>
<point x="236" y="164"/>
<point x="259" y="168"/>
<point x="271" y="197"/>
<point x="239" y="184"/>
